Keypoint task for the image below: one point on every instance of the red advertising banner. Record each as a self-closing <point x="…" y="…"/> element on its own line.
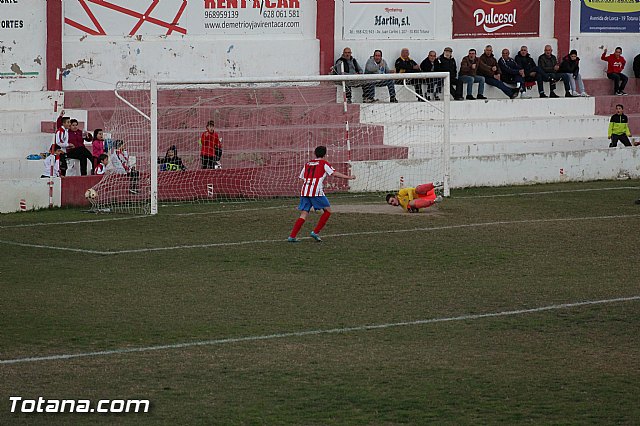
<point x="496" y="18"/>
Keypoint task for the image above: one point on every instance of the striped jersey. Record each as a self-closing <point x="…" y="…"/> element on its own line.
<point x="314" y="173"/>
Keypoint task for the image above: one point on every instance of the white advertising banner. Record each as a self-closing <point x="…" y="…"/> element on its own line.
<point x="181" y="17"/>
<point x="400" y="20"/>
<point x="249" y="17"/>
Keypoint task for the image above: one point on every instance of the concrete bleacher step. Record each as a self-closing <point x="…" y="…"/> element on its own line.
<point x="240" y="116"/>
<point x="604" y="86"/>
<point x="487" y="148"/>
<point x="301" y="95"/>
<point x="24" y="121"/>
<point x="260" y="157"/>
<point x="26" y="101"/>
<point x="20" y="168"/>
<point x="481" y="110"/>
<point x="274" y="137"/>
<point x="606" y="105"/>
<point x="19" y="145"/>
<point x="503" y="129"/>
<point x="634" y="124"/>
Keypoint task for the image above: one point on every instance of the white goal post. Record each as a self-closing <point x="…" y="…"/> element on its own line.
<point x="264" y="130"/>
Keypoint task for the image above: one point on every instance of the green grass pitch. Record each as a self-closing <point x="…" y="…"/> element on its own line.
<point x="75" y="283"/>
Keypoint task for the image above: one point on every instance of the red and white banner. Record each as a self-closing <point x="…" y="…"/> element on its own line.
<point x="401" y="20"/>
<point x="496" y="18"/>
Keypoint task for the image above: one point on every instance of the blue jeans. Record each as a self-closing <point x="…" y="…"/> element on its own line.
<point x="546" y="76"/>
<point x="500" y="85"/>
<point x="369" y="89"/>
<point x="469" y="80"/>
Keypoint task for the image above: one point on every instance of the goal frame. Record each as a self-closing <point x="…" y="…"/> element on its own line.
<point x="155" y="84"/>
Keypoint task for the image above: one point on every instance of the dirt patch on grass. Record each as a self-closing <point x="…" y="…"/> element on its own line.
<point x="381" y="209"/>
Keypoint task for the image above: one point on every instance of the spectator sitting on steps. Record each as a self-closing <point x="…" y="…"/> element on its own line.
<point x="347" y="65"/>
<point x="488" y="68"/>
<point x="571" y="65"/>
<point x="615" y="65"/>
<point x="468" y="74"/>
<point x="430" y="64"/>
<point x="404" y="64"/>
<point x="512" y="73"/>
<point x="377" y="65"/>
<point x="549" y="64"/>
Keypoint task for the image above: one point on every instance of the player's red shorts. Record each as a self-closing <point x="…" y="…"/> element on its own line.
<point x="426" y="194"/>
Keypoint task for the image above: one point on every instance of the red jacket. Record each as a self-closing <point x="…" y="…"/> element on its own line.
<point x="615" y="65"/>
<point x="76" y="139"/>
<point x="209" y="142"/>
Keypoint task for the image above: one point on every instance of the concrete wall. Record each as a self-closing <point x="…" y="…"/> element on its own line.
<point x="509" y="169"/>
<point x="419" y="49"/>
<point x="34" y="192"/>
<point x="22" y="45"/>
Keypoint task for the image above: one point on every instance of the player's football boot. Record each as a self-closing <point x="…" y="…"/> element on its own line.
<point x="316" y="237"/>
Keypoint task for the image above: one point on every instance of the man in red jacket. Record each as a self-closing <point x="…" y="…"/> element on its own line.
<point x="76" y="149"/>
<point x="615" y="65"/>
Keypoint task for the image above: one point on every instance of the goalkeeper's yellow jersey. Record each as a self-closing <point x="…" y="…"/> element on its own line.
<point x="405" y="196"/>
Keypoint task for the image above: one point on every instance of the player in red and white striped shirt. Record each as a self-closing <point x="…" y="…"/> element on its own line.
<point x="312" y="194"/>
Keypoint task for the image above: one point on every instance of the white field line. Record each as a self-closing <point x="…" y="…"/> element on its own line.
<point x="74" y="222"/>
<point x="347" y="234"/>
<point x="314" y="332"/>
<point x="235" y="211"/>
<point x="518" y="194"/>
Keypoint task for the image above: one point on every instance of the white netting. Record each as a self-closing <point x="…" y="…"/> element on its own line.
<point x="267" y="132"/>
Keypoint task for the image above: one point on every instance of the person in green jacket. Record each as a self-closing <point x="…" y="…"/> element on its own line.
<point x="619" y="128"/>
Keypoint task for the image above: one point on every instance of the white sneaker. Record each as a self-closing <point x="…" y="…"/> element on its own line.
<point x="584" y="95"/>
<point x="574" y="93"/>
<point x="438" y="199"/>
<point x="525" y="95"/>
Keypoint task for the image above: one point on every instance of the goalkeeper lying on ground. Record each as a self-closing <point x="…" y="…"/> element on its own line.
<point x="413" y="199"/>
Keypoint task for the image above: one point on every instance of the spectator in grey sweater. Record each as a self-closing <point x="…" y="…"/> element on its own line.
<point x="377" y="65"/>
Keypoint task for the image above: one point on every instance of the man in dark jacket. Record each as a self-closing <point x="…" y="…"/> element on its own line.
<point x="549" y="64"/>
<point x="405" y="64"/>
<point x="571" y="65"/>
<point x="532" y="72"/>
<point x="488" y="68"/>
<point x="447" y="63"/>
<point x="636" y="68"/>
<point x="512" y="73"/>
<point x="345" y="65"/>
<point x="433" y="85"/>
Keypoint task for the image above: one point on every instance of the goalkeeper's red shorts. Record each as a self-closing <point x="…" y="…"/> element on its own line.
<point x="426" y="194"/>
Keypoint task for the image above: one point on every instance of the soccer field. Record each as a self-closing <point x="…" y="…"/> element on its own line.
<point x="503" y="305"/>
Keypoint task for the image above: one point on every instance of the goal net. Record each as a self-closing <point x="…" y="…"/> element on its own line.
<point x="262" y="131"/>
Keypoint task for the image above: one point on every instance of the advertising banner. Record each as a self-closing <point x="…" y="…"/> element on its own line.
<point x="181" y="17"/>
<point x="496" y="18"/>
<point x="398" y="20"/>
<point x="256" y="17"/>
<point x="610" y="16"/>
